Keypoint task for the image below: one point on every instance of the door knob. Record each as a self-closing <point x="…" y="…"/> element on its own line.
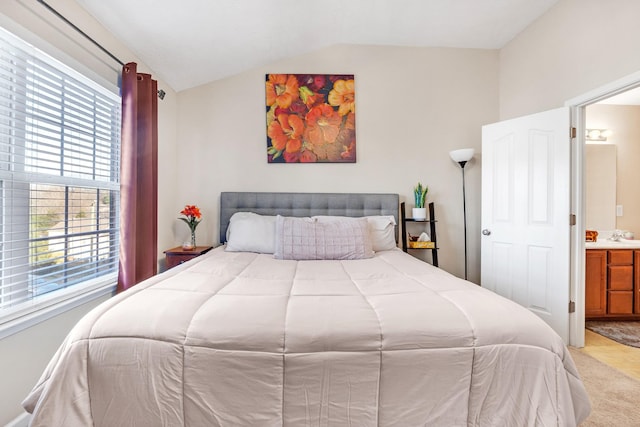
<point x="486" y="232"/>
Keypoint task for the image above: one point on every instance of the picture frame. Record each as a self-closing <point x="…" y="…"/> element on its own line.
<point x="310" y="118"/>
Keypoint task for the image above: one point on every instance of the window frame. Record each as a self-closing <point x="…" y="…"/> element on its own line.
<point x="46" y="306"/>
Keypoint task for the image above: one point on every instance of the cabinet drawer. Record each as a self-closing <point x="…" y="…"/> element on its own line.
<point x="620" y="277"/>
<point x="621" y="257"/>
<point x="173" y="260"/>
<point x="177" y="256"/>
<point x="620" y="302"/>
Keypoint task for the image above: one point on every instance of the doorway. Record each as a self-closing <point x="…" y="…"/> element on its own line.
<point x="578" y="107"/>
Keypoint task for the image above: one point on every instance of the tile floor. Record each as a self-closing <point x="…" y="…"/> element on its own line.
<point x="621" y="357"/>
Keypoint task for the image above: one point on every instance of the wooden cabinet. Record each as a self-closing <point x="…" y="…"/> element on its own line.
<point x="612" y="283"/>
<point x="177" y="256"/>
<point x="595" y="301"/>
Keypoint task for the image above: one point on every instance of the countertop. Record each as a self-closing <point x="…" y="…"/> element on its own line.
<point x="612" y="244"/>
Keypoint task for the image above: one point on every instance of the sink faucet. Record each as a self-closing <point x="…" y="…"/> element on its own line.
<point x="616" y="236"/>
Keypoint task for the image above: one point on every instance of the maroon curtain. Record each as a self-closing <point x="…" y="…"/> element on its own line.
<point x="138" y="178"/>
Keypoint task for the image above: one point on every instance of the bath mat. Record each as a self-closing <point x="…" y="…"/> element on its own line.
<point x="627" y="333"/>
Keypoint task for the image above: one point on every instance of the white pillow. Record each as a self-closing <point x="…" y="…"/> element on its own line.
<point x="309" y="239"/>
<point x="381" y="228"/>
<point x="383" y="232"/>
<point x="250" y="232"/>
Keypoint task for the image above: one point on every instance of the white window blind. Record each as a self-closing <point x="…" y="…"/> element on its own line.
<point x="59" y="176"/>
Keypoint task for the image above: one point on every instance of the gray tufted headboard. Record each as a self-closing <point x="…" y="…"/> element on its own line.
<point x="306" y="204"/>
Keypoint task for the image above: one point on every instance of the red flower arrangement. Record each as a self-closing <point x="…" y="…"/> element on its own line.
<point x="193" y="218"/>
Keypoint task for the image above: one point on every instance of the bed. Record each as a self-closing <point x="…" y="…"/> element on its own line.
<point x="253" y="338"/>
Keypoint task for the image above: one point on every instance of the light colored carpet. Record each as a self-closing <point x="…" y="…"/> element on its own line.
<point x="614" y="395"/>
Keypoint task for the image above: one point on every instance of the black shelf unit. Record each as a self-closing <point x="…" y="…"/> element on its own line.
<point x="431" y="220"/>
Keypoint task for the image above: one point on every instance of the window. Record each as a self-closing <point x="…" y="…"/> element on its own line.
<point x="59" y="180"/>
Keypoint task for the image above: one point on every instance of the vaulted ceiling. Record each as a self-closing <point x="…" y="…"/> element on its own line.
<point x="191" y="42"/>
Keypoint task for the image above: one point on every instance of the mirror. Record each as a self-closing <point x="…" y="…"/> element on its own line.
<point x="600" y="182"/>
<point x="612" y="166"/>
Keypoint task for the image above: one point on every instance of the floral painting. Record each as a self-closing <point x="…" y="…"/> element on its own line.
<point x="311" y="118"/>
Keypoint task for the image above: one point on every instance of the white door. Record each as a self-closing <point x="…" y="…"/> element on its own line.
<point x="525" y="213"/>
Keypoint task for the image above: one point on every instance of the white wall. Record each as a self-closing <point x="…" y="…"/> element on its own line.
<point x="577" y="46"/>
<point x="413" y="105"/>
<point x="23" y="356"/>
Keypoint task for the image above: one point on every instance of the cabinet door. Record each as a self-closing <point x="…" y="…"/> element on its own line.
<point x="595" y="283"/>
<point x="620" y="302"/>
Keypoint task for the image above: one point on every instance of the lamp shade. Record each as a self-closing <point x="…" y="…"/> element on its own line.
<point x="462" y="155"/>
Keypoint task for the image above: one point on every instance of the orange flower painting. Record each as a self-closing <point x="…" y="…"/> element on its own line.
<point x="311" y="118"/>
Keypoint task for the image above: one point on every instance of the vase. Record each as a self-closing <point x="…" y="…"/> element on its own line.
<point x="419" y="214"/>
<point x="193" y="238"/>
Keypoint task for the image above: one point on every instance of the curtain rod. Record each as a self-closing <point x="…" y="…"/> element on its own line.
<point x="72" y="25"/>
<point x="161" y="93"/>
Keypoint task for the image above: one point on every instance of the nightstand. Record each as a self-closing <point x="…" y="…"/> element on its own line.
<point x="177" y="256"/>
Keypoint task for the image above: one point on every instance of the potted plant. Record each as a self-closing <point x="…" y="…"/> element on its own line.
<point x="420" y="195"/>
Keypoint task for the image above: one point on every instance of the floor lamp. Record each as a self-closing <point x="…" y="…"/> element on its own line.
<point x="462" y="157"/>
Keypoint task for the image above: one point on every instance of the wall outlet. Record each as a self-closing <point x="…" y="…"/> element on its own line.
<point x="619" y="210"/>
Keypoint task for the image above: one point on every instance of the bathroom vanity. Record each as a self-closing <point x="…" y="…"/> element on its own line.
<point x="612" y="280"/>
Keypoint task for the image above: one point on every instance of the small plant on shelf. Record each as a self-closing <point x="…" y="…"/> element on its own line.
<point x="420" y="195"/>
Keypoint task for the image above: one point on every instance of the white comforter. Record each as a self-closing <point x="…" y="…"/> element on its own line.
<point x="241" y="339"/>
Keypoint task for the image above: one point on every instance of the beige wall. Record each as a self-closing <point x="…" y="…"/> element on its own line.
<point x="414" y="105"/>
<point x="624" y="123"/>
<point x="23" y="356"/>
<point x="579" y="45"/>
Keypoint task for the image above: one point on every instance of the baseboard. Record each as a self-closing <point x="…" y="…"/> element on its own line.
<point x="20" y="421"/>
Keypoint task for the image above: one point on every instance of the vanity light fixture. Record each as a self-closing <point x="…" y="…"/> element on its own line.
<point x="462" y="157"/>
<point x="600" y="135"/>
